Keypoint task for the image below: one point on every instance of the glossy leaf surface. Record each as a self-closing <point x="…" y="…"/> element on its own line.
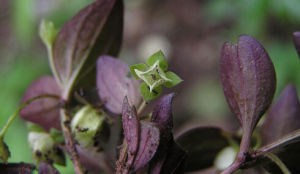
<point x="248" y="79"/>
<point x="80" y="40"/>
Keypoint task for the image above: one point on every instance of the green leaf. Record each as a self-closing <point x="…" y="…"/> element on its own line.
<point x="48" y="32"/>
<point x="140" y="67"/>
<point x="147" y="95"/>
<point x="57" y="136"/>
<point x="175" y="79"/>
<point x="158" y="56"/>
<point x="4" y="151"/>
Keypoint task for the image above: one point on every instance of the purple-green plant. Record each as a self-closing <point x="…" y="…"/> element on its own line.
<point x="92" y="107"/>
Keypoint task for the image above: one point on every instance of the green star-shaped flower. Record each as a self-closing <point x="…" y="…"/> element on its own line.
<point x="154" y="76"/>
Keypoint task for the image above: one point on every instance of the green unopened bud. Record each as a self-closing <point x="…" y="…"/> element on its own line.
<point x="47" y="32"/>
<point x="44" y="148"/>
<point x="4" y="151"/>
<point x="85" y="124"/>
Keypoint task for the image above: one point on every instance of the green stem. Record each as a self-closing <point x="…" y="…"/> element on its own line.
<point x="278" y="162"/>
<point x="141" y="107"/>
<point x="16" y="113"/>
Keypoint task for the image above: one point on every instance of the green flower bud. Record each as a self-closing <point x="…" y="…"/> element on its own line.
<point x="85" y="124"/>
<point x="44" y="149"/>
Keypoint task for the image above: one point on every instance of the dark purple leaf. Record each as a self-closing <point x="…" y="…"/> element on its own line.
<point x="248" y="79"/>
<point x="175" y="160"/>
<point x="114" y="84"/>
<point x="296" y="37"/>
<point x="283" y="117"/>
<point x="16" y="168"/>
<point x="148" y="144"/>
<point x="162" y="115"/>
<point x="45" y="111"/>
<point x="82" y="39"/>
<point x="131" y="130"/>
<point x="202" y="145"/>
<point x="47" y="169"/>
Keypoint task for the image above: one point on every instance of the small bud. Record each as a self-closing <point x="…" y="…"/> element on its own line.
<point x="85" y="124"/>
<point x="48" y="32"/>
<point x="4" y="151"/>
<point x="44" y="148"/>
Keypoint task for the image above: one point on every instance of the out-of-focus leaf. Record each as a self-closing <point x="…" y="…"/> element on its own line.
<point x="81" y="41"/>
<point x="4" y="151"/>
<point x="113" y="84"/>
<point x="175" y="160"/>
<point x="47" y="169"/>
<point x="296" y="37"/>
<point x="16" y="168"/>
<point x="131" y="129"/>
<point x="44" y="112"/>
<point x="283" y="117"/>
<point x="248" y="79"/>
<point x="202" y="145"/>
<point x="148" y="144"/>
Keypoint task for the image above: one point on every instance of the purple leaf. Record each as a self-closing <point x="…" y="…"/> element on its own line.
<point x="296" y="37"/>
<point x="82" y="39"/>
<point x="162" y="115"/>
<point x="131" y="130"/>
<point x="47" y="169"/>
<point x="114" y="84"/>
<point x="45" y="111"/>
<point x="148" y="144"/>
<point x="248" y="79"/>
<point x="283" y="117"/>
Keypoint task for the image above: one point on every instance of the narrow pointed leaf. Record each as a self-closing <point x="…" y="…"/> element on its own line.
<point x="81" y="40"/>
<point x="148" y="144"/>
<point x="131" y="130"/>
<point x="248" y="79"/>
<point x="283" y="117"/>
<point x="296" y="37"/>
<point x="162" y="115"/>
<point x="44" y="112"/>
<point x="113" y="84"/>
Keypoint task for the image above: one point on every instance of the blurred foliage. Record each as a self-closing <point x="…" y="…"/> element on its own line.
<point x="270" y="21"/>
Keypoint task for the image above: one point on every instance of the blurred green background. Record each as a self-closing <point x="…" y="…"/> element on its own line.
<point x="190" y="33"/>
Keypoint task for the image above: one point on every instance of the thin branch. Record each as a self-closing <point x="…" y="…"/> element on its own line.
<point x="278" y="162"/>
<point x="16" y="113"/>
<point x="70" y="144"/>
